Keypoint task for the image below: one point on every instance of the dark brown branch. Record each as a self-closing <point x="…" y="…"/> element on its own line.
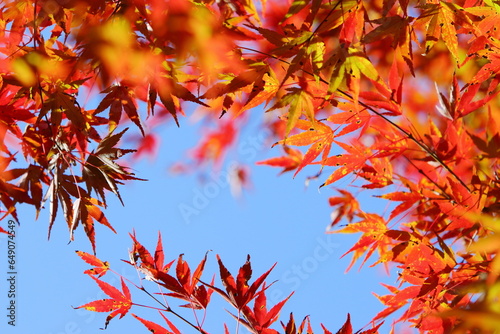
<point x="169" y="309"/>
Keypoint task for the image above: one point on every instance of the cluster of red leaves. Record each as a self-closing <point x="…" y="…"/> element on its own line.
<point x="440" y="174"/>
<point x="350" y="81"/>
<point x="238" y="292"/>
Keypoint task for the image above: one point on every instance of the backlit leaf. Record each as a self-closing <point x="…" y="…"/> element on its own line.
<point x="152" y="326"/>
<point x="119" y="304"/>
<point x="100" y="267"/>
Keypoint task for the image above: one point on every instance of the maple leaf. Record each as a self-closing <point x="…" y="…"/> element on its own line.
<point x="119" y="98"/>
<point x="352" y="119"/>
<point x="148" y="146"/>
<point x="325" y="331"/>
<point x="299" y="58"/>
<point x="400" y="30"/>
<point x="173" y="328"/>
<point x="408" y="200"/>
<point x="153" y="267"/>
<point x="159" y="256"/>
<point x="349" y="64"/>
<point x="346" y="206"/>
<point x="463" y="201"/>
<point x="490" y="69"/>
<point x="263" y="90"/>
<point x="291" y="327"/>
<point x="140" y="252"/>
<point x="374" y="238"/>
<point x="119" y="304"/>
<point x="102" y="172"/>
<point x="170" y="92"/>
<point x="347" y="163"/>
<point x="254" y="75"/>
<point x="315" y="50"/>
<point x="214" y="144"/>
<point x="185" y="286"/>
<point x="272" y="36"/>
<point x="289" y="162"/>
<point x="316" y="134"/>
<point x="491" y="146"/>
<point x="298" y="101"/>
<point x="85" y="211"/>
<point x="447" y="106"/>
<point x="373" y="330"/>
<point x="193" y="292"/>
<point x="57" y="193"/>
<point x="459" y="105"/>
<point x="353" y="25"/>
<point x="61" y="102"/>
<point x="259" y="318"/>
<point x="467" y="103"/>
<point x="336" y="15"/>
<point x="100" y="267"/>
<point x="396" y="300"/>
<point x="294" y="39"/>
<point x="347" y="327"/>
<point x="30" y="181"/>
<point x="425" y="259"/>
<point x="379" y="174"/>
<point x="12" y="113"/>
<point x="295" y="7"/>
<point x="308" y="57"/>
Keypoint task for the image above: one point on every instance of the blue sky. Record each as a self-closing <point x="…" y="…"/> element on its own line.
<point x="278" y="220"/>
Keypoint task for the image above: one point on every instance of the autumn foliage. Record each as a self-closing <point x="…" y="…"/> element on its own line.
<point x="399" y="98"/>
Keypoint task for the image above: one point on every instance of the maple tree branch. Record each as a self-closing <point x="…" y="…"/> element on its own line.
<point x="323" y="21"/>
<point x="406" y="133"/>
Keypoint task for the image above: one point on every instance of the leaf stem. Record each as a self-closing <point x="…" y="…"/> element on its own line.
<point x="168" y="309"/>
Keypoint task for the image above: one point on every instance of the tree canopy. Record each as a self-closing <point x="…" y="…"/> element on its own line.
<point x="400" y="97"/>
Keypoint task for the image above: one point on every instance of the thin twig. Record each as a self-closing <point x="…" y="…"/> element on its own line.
<point x="169" y="309"/>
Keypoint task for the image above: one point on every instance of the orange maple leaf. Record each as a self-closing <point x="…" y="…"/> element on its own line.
<point x="119" y="303"/>
<point x="100" y="267"/>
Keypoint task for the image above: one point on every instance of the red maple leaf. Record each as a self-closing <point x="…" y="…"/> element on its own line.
<point x="238" y="292"/>
<point x="119" y="303"/>
<point x="290" y="161"/>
